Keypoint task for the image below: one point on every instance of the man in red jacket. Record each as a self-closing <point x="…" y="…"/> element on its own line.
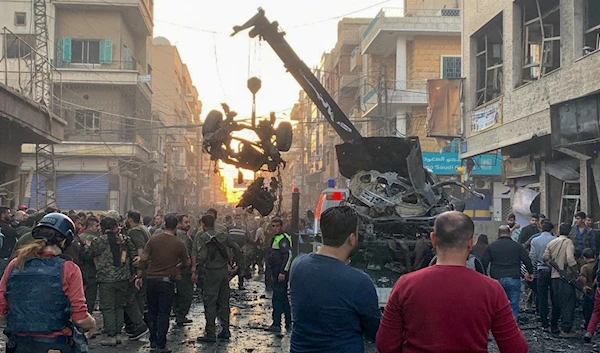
<point x="448" y="307"/>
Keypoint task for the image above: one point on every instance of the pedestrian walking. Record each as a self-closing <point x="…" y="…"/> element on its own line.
<point x="561" y="250"/>
<point x="280" y="259"/>
<point x="43" y="317"/>
<point x="166" y="254"/>
<point x="505" y="257"/>
<point x="424" y="308"/>
<point x="210" y="253"/>
<point x="333" y="305"/>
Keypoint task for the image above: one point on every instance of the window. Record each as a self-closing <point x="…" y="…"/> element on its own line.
<point x="451" y="67"/>
<point x="541" y="38"/>
<point x="85" y="51"/>
<point x="88" y="120"/>
<point x="592" y="26"/>
<point x="490" y="61"/>
<point x="18" y="46"/>
<point x="20" y="19"/>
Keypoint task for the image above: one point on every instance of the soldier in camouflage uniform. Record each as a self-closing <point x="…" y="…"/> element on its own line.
<point x="184" y="288"/>
<point x="139" y="236"/>
<point x="115" y="255"/>
<point x="88" y="267"/>
<point x="209" y="251"/>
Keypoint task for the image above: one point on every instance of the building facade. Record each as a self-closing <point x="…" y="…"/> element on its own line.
<point x="530" y="92"/>
<point x="175" y="103"/>
<point x="102" y="54"/>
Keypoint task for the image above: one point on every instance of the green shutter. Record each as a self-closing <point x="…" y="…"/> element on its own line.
<point x="66" y="44"/>
<point x="105" y="51"/>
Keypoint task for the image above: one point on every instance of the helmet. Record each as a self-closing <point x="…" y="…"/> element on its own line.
<point x="113" y="214"/>
<point x="57" y="221"/>
<point x="22" y="208"/>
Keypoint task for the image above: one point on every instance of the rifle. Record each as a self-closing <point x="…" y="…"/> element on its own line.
<point x="568" y="277"/>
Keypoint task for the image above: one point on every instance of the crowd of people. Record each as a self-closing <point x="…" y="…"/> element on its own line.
<point x="140" y="270"/>
<point x="143" y="270"/>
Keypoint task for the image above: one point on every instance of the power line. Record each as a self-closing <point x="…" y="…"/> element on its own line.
<point x="340" y="16"/>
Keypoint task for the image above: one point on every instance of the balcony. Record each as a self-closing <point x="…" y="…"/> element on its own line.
<point x="97" y="149"/>
<point x="349" y="82"/>
<point x="138" y="14"/>
<point x="381" y="33"/>
<point x="114" y="73"/>
<point x="355" y="61"/>
<point x="410" y="93"/>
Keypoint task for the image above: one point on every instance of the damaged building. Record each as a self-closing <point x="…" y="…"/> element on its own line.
<point x="532" y="92"/>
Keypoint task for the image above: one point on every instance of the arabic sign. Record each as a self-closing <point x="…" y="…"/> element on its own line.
<point x="486" y="117"/>
<point x="446" y="163"/>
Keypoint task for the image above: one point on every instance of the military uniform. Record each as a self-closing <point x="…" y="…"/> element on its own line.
<point x="280" y="260"/>
<point x="210" y="248"/>
<point x="139" y="236"/>
<point x="88" y="270"/>
<point x="113" y="277"/>
<point x="184" y="288"/>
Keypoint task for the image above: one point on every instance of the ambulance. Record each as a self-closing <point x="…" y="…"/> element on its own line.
<point x="329" y="197"/>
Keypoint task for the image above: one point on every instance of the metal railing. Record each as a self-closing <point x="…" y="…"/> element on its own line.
<point x="391" y="12"/>
<point x="18" y="72"/>
<point x="129" y="65"/>
<point x="408" y="86"/>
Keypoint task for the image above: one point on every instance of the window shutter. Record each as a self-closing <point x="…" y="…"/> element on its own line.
<point x="105" y="51"/>
<point x="66" y="45"/>
<point x="128" y="59"/>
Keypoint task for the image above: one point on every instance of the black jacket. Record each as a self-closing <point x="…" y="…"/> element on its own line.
<point x="526" y="233"/>
<point x="10" y="239"/>
<point x="504" y="257"/>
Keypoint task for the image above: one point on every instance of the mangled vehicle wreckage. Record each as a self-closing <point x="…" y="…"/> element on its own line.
<point x="396" y="197"/>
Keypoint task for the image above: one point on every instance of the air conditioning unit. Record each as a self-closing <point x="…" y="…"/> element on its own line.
<point x="482" y="184"/>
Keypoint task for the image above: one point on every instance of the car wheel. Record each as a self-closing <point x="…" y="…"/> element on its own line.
<point x="283" y="136"/>
<point x="213" y="121"/>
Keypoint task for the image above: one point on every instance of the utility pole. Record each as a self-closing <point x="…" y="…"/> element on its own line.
<point x="44" y="153"/>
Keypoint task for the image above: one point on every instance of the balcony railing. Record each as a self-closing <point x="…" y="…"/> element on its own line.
<point x="130" y="65"/>
<point x="418" y="87"/>
<point x="390" y="12"/>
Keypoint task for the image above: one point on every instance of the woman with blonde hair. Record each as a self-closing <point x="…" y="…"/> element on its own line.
<point x="41" y="293"/>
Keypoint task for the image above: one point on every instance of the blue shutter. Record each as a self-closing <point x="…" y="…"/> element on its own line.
<point x="105" y="51"/>
<point x="88" y="192"/>
<point x="66" y="45"/>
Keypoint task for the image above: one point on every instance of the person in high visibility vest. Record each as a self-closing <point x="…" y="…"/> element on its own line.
<point x="280" y="260"/>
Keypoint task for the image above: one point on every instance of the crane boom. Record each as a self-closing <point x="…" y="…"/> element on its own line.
<point x="269" y="31"/>
<point x="384" y="154"/>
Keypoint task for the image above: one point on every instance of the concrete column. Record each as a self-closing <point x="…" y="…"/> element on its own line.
<point x="400" y="121"/>
<point x="584" y="186"/>
<point x="544" y="188"/>
<point x="401" y="63"/>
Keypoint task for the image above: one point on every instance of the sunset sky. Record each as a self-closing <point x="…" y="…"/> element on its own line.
<point x="220" y="65"/>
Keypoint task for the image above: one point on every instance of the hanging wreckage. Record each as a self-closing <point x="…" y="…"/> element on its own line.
<point x="396" y="197"/>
